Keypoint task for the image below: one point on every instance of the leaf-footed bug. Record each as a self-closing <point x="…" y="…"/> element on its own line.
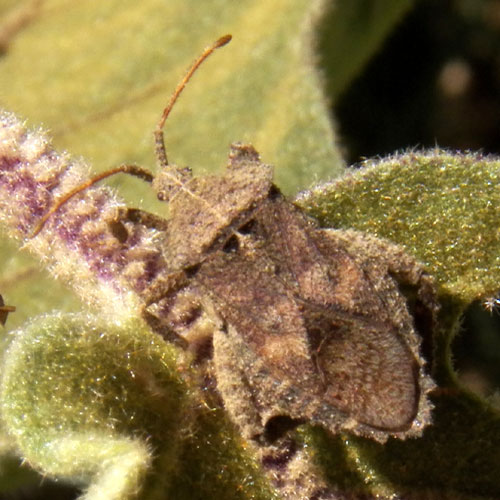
<point x="298" y="323"/>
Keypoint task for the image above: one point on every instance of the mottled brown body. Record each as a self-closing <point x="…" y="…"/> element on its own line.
<point x="308" y="324"/>
<point x="293" y="323"/>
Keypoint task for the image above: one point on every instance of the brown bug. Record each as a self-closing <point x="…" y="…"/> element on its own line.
<point x="299" y="323"/>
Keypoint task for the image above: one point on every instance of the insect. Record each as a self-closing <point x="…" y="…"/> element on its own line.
<point x="297" y="323"/>
<point x="4" y="311"/>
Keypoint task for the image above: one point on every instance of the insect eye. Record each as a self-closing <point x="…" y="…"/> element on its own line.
<point x="231" y="245"/>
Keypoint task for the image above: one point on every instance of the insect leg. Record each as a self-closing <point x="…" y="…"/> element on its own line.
<point x="135" y="216"/>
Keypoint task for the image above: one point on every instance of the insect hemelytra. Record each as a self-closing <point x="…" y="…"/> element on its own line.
<point x="301" y="323"/>
<point x="308" y="323"/>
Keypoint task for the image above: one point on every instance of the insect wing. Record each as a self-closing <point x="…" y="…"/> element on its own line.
<point x="362" y="357"/>
<point x="248" y="297"/>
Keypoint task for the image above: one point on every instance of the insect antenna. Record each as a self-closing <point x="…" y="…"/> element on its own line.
<point x="160" y="149"/>
<point x="161" y="152"/>
<point x="134" y="170"/>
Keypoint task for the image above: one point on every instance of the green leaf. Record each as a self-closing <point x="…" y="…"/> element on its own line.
<point x="457" y="457"/>
<point x="441" y="207"/>
<point x="106" y="403"/>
